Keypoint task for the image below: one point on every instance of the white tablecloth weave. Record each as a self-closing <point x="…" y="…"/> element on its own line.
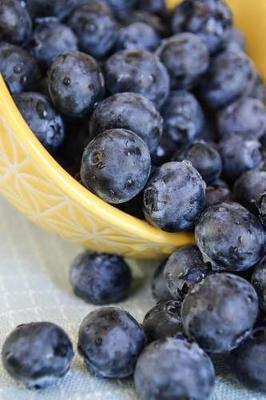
<point x="34" y="287"/>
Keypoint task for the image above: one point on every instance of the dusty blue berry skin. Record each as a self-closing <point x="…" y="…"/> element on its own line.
<point x="174" y="197"/>
<point x="262" y="209"/>
<point x="95" y="28"/>
<point x="211" y="20"/>
<point x="130" y="111"/>
<point x="231" y="75"/>
<point x="153" y="6"/>
<point x="19" y="69"/>
<point x="236" y="40"/>
<point x="116" y="165"/>
<point x="183" y="117"/>
<point x="258" y="280"/>
<point x="203" y="157"/>
<point x="148" y="18"/>
<point x="183" y="269"/>
<point x="246" y="116"/>
<point x="55" y="8"/>
<point x="186" y="59"/>
<point x="219" y="312"/>
<point x="42" y="118"/>
<point x="248" y="361"/>
<point x="122" y="7"/>
<point x="38" y="354"/>
<point x="159" y="289"/>
<point x="249" y="188"/>
<point x="100" y="278"/>
<point x="163" y="321"/>
<point x="237" y="162"/>
<point x="218" y="192"/>
<point x="174" y="369"/>
<point x="50" y="39"/>
<point x="137" y="71"/>
<point x="137" y="35"/>
<point x="110" y="341"/>
<point x="230" y="237"/>
<point x="15" y="22"/>
<point x="259" y="89"/>
<point x="75" y="83"/>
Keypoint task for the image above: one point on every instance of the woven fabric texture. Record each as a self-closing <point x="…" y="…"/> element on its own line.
<point x="34" y="286"/>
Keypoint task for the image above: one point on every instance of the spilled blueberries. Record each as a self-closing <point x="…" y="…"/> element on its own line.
<point x="162" y="114"/>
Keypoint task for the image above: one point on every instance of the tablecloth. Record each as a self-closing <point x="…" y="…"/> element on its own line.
<point x="34" y="286"/>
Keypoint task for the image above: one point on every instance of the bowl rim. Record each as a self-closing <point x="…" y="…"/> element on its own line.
<point x="78" y="193"/>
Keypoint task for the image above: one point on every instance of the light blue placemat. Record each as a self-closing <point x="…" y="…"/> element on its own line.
<point x="34" y="286"/>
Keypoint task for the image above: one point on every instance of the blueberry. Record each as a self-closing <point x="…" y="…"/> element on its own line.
<point x="37" y="354"/>
<point x="259" y="90"/>
<point x="218" y="192"/>
<point x="174" y="369"/>
<point x="75" y="83"/>
<point x="163" y="151"/>
<point x="137" y="35"/>
<point x="147" y="18"/>
<point x="211" y="20"/>
<point x="95" y="28"/>
<point x="236" y="40"/>
<point x="159" y="287"/>
<point x="249" y="188"/>
<point x="43" y="120"/>
<point x="186" y="58"/>
<point x="116" y="165"/>
<point x="153" y="6"/>
<point x="163" y="321"/>
<point x="130" y="111"/>
<point x="110" y="341"/>
<point x="183" y="117"/>
<point x="230" y="237"/>
<point x="220" y="312"/>
<point x="262" y="208"/>
<point x="137" y="71"/>
<point x="100" y="278"/>
<point x="247" y="157"/>
<point x="50" y="39"/>
<point x="174" y="197"/>
<point x="258" y="280"/>
<point x="204" y="158"/>
<point x="121" y="7"/>
<point x="183" y="269"/>
<point x="18" y="67"/>
<point x="245" y="116"/>
<point x="15" y="22"/>
<point x="55" y="8"/>
<point x="231" y="76"/>
<point x="248" y="361"/>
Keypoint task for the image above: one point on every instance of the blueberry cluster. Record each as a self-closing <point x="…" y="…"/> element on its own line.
<point x="162" y="114"/>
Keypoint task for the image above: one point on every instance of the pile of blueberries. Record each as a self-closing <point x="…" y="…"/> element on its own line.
<point x="162" y="114"/>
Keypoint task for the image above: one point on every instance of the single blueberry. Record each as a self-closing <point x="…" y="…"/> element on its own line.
<point x="116" y="165"/>
<point x="174" y="197"/>
<point x="203" y="157"/>
<point x="75" y="83"/>
<point x="110" y="341"/>
<point x="258" y="280"/>
<point x="43" y="120"/>
<point x="248" y="361"/>
<point x="50" y="39"/>
<point x="230" y="237"/>
<point x="95" y="28"/>
<point x="186" y="59"/>
<point x="163" y="321"/>
<point x="100" y="278"/>
<point x="183" y="117"/>
<point x="239" y="154"/>
<point x="137" y="35"/>
<point x="38" y="354"/>
<point x="249" y="188"/>
<point x="231" y="75"/>
<point x="219" y="312"/>
<point x="15" y="22"/>
<point x="246" y="116"/>
<point x="183" y="269"/>
<point x="159" y="287"/>
<point x="211" y="20"/>
<point x="130" y="111"/>
<point x="137" y="71"/>
<point x="174" y="369"/>
<point x="19" y="69"/>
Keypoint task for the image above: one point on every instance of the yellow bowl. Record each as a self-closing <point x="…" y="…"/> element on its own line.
<point x="37" y="186"/>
